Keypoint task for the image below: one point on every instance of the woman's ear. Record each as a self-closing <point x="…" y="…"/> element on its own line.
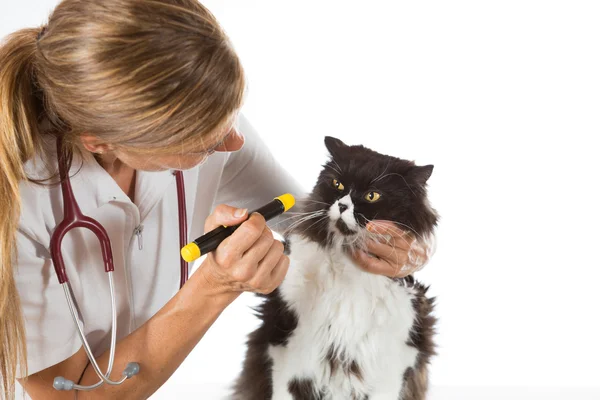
<point x="92" y="144"/>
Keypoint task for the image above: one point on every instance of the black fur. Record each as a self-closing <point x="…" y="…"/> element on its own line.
<point x="361" y="170"/>
<point x="278" y="324"/>
<point x="304" y="389"/>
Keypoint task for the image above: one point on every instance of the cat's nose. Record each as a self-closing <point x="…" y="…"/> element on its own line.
<point x="342" y="207"/>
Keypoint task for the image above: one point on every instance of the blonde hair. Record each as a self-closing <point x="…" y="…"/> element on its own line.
<point x="151" y="76"/>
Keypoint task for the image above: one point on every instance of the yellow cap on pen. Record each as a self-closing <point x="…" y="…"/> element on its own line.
<point x="191" y="252"/>
<point x="287" y="200"/>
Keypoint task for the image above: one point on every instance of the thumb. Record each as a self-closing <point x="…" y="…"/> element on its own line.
<point x="225" y="215"/>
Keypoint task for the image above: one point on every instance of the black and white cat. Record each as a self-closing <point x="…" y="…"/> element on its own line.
<point x="333" y="331"/>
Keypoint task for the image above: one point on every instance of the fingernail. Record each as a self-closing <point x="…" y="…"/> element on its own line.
<point x="371" y="227"/>
<point x="240" y="212"/>
<point x="406" y="267"/>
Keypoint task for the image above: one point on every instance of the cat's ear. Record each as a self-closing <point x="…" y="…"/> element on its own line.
<point x="421" y="174"/>
<point x="334" y="145"/>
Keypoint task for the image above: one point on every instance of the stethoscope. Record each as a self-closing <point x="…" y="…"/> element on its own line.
<point x="74" y="218"/>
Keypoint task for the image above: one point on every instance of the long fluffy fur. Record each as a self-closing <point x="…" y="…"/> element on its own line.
<point x="332" y="331"/>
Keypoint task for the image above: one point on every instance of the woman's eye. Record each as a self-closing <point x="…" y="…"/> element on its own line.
<point x="372" y="197"/>
<point x="338" y="185"/>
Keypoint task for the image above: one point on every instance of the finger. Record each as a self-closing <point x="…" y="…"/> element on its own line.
<point x="404" y="243"/>
<point x="246" y="268"/>
<point x="393" y="255"/>
<point x="234" y="247"/>
<point x="378" y="266"/>
<point x="268" y="263"/>
<point x="386" y="228"/>
<point x="280" y="271"/>
<point x="225" y="215"/>
<point x="263" y="281"/>
<point x="417" y="258"/>
<point x="260" y="248"/>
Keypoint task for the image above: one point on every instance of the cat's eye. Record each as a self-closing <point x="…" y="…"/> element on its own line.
<point x="338" y="185"/>
<point x="372" y="197"/>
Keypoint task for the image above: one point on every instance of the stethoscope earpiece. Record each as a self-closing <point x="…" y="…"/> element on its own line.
<point x="132" y="369"/>
<point x="60" y="383"/>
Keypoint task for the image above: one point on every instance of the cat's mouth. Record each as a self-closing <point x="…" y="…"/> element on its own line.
<point x="343" y="228"/>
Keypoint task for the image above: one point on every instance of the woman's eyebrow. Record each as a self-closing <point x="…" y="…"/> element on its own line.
<point x="210" y="148"/>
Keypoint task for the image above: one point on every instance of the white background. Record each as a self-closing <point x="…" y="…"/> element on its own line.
<point x="503" y="97"/>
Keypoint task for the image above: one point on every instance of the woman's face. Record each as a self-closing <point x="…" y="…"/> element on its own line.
<point x="230" y="141"/>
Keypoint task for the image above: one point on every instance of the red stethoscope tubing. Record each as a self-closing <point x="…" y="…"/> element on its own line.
<point x="74" y="218"/>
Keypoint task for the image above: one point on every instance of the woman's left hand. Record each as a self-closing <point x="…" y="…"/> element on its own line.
<point x="397" y="254"/>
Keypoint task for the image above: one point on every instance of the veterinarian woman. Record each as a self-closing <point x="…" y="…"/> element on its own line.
<point x="129" y="91"/>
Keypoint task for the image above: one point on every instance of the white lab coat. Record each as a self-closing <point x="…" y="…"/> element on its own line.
<point x="146" y="278"/>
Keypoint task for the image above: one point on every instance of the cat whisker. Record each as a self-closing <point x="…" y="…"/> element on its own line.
<point x="381" y="175"/>
<point x="381" y="239"/>
<point x="303" y="213"/>
<point x="323" y="218"/>
<point x="369" y="235"/>
<point x="301" y="218"/>
<point x="334" y="169"/>
<point x="389" y="241"/>
<point x="388" y="231"/>
<point x="393" y="173"/>
<point x="356" y="238"/>
<point x="304" y="218"/>
<point x="337" y="165"/>
<point x="410" y="228"/>
<point x="312" y="201"/>
<point x="295" y="224"/>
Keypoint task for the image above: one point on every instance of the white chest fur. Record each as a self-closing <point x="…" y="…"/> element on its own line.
<point x="362" y="319"/>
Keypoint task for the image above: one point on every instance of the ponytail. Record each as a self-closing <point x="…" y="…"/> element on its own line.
<point x="19" y="109"/>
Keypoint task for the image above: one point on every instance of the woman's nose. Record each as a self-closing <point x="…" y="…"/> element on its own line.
<point x="233" y="142"/>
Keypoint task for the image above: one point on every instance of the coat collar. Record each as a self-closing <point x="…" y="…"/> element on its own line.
<point x="93" y="186"/>
<point x="150" y="187"/>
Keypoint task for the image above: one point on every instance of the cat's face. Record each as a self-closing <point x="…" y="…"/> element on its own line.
<point x="358" y="185"/>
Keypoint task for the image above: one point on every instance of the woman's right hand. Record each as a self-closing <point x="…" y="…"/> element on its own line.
<point x="248" y="260"/>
